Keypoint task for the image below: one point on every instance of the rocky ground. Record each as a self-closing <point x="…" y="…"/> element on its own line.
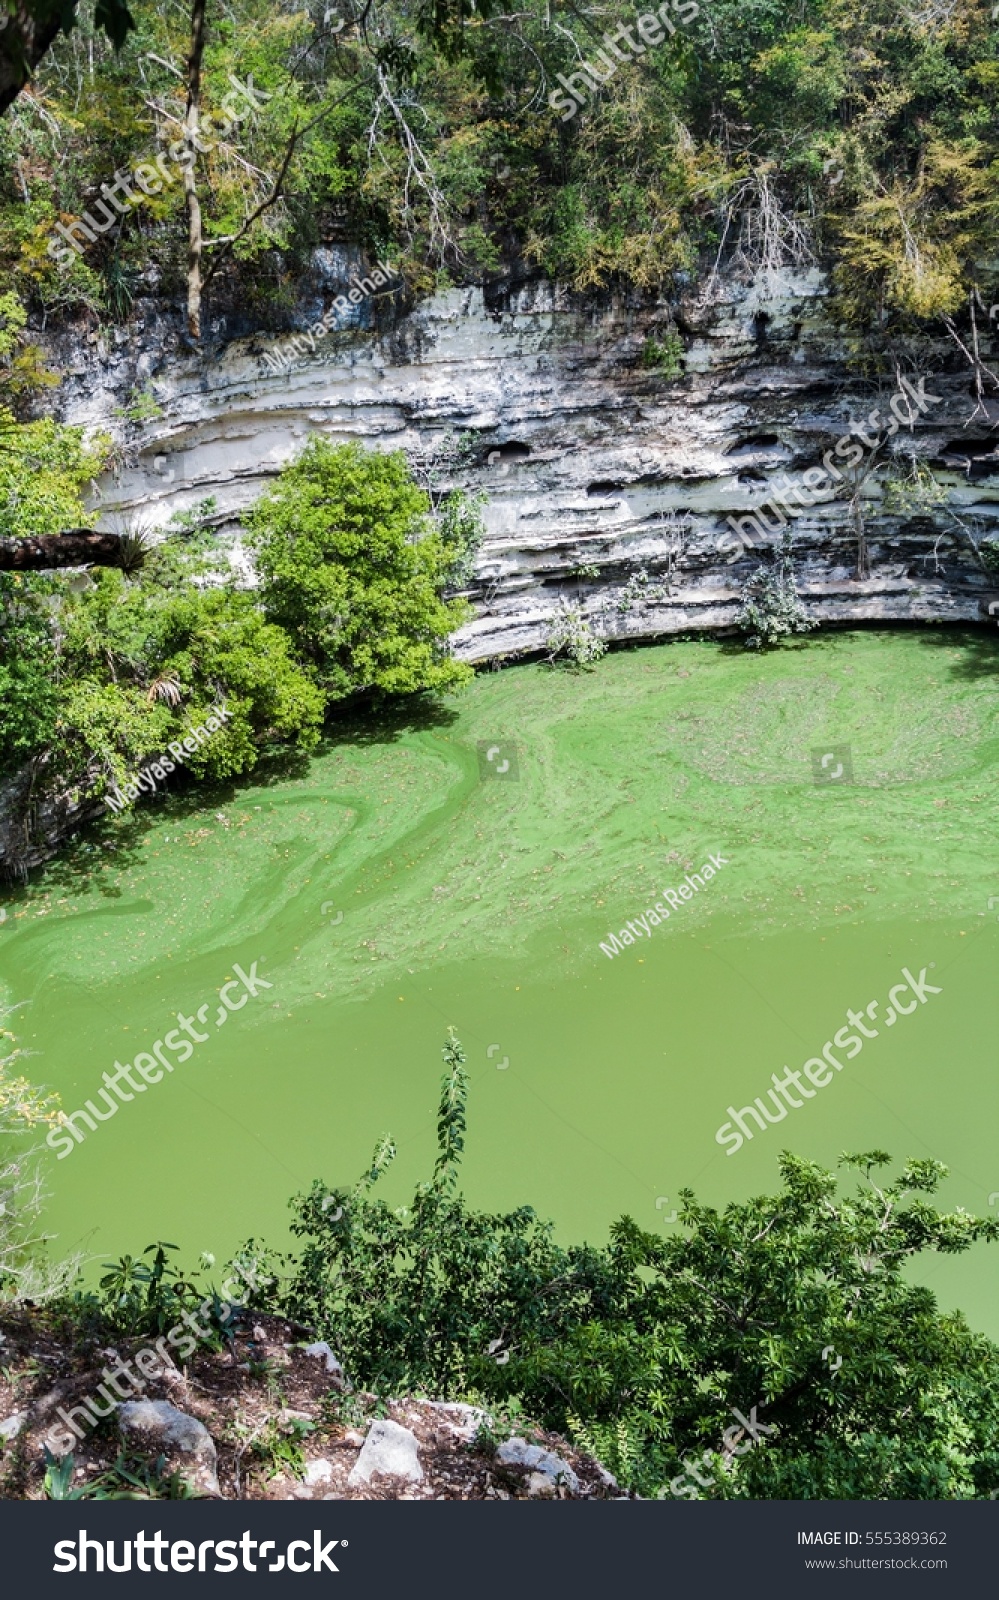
<point x="270" y="1418"/>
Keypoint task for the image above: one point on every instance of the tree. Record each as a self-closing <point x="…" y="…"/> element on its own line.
<point x="44" y="469"/>
<point x="141" y="664"/>
<point x="352" y="568"/>
<point x="28" y="695"/>
<point x="191" y="116"/>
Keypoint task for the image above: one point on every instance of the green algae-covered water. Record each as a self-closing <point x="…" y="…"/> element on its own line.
<point x="466" y="869"/>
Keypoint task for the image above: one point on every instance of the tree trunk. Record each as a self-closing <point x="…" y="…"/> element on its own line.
<point x="23" y="43"/>
<point x="77" y="547"/>
<point x="194" y="235"/>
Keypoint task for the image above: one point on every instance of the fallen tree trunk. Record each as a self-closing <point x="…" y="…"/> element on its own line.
<point x="77" y="547"/>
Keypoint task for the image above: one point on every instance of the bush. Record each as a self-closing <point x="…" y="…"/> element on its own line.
<point x="664" y="356"/>
<point x="44" y="469"/>
<point x="142" y="663"/>
<point x="28" y="694"/>
<point x="771" y="609"/>
<point x="569" y="635"/>
<point x="989" y="553"/>
<point x="644" y="1349"/>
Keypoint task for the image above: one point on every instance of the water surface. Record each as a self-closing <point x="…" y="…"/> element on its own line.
<point x="397" y="885"/>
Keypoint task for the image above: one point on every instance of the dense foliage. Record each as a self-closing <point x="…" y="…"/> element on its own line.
<point x="100" y="672"/>
<point x="352" y="569"/>
<point x="778" y="1349"/>
<point x="642" y="1349"/>
<point x="858" y="134"/>
<point x="771" y="609"/>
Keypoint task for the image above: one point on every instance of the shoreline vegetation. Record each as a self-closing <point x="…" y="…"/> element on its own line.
<point x="100" y="673"/>
<point x="861" y="137"/>
<point x="638" y="1351"/>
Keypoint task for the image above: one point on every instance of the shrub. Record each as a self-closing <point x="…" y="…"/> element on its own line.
<point x="143" y="663"/>
<point x="644" y="1349"/>
<point x="771" y="609"/>
<point x="569" y="635"/>
<point x="665" y="356"/>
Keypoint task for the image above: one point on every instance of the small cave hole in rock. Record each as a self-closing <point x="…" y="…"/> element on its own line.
<point x="511" y="450"/>
<point x="755" y="443"/>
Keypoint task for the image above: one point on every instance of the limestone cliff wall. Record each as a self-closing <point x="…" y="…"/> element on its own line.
<point x="589" y="459"/>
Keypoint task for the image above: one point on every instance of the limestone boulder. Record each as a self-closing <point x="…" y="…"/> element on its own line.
<point x="389" y="1451"/>
<point x="546" y="1471"/>
<point x="154" y="1428"/>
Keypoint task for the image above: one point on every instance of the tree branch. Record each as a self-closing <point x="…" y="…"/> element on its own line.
<point x="232" y="240"/>
<point x="77" y="547"/>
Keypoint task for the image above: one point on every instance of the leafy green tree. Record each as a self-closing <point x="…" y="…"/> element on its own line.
<point x="352" y="569"/>
<point x="105" y="733"/>
<point x="143" y="663"/>
<point x="44" y="469"/>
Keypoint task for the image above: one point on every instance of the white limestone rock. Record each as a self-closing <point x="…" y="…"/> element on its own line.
<point x="463" y="1420"/>
<point x="390" y="1451"/>
<point x="155" y="1428"/>
<point x="548" y="1471"/>
<point x="322" y="1352"/>
<point x="10" y="1428"/>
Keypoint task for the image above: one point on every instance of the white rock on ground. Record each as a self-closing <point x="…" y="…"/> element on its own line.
<point x="548" y="1471"/>
<point x="318" y="1472"/>
<point x="321" y="1350"/>
<point x="389" y="1449"/>
<point x="462" y="1419"/>
<point x="13" y="1425"/>
<point x="156" y="1428"/>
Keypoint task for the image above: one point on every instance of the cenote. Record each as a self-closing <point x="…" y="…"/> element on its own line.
<point x="400" y="883"/>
